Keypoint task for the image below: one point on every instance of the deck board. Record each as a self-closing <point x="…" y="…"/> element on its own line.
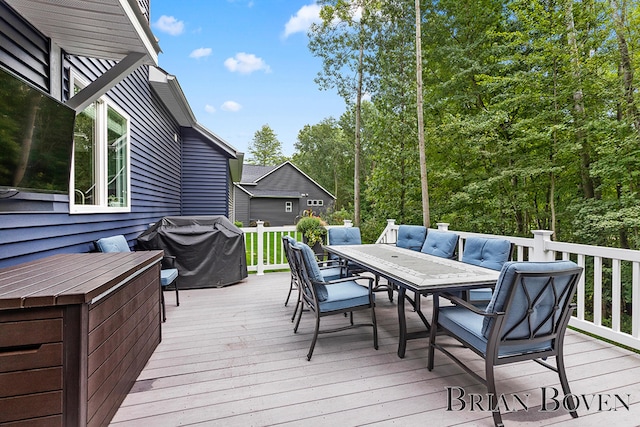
<point x="229" y="357"/>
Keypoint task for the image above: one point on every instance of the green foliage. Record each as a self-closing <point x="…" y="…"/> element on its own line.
<point x="265" y="148"/>
<point x="312" y="229"/>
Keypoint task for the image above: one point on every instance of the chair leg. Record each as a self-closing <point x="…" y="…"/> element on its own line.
<point x="298" y="305"/>
<point x="295" y="328"/>
<point x="164" y="309"/>
<point x="289" y="294"/>
<point x="375" y="327"/>
<point x="177" y="296"/>
<point x="315" y="338"/>
<point x="565" y="383"/>
<point x="491" y="389"/>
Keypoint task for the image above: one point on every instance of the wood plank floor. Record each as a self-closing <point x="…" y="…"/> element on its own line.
<point x="229" y="357"/>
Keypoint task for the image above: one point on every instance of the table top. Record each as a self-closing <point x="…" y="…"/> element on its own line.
<point x="69" y="278"/>
<point x="415" y="270"/>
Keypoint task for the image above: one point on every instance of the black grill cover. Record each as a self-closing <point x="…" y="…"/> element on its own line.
<point x="209" y="250"/>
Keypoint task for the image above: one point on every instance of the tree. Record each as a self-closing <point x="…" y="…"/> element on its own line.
<point x="265" y="148"/>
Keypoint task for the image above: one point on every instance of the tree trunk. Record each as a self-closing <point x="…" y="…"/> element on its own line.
<point x="423" y="157"/>
<point x="578" y="103"/>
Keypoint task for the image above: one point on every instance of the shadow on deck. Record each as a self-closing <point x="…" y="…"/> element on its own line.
<point x="229" y="357"/>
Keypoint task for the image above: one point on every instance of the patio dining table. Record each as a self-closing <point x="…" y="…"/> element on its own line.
<point x="417" y="272"/>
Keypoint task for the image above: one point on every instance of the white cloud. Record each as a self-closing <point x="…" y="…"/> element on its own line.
<point x="246" y="63"/>
<point x="303" y="19"/>
<point x="209" y="109"/>
<point x="231" y="106"/>
<point x="170" y="25"/>
<point x="200" y="53"/>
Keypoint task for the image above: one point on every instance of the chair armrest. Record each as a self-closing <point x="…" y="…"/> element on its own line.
<point x="331" y="263"/>
<point x="351" y="279"/>
<point x="460" y="302"/>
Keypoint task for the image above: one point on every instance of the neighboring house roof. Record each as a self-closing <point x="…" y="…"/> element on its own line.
<point x="253" y="174"/>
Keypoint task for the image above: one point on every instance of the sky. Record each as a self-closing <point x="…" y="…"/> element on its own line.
<point x="243" y="64"/>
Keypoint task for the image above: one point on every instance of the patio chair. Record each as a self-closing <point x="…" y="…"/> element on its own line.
<point x="330" y="270"/>
<point x="325" y="298"/>
<point x="168" y="274"/>
<point x="488" y="253"/>
<point x="411" y="236"/>
<point x="526" y="319"/>
<point x="351" y="236"/>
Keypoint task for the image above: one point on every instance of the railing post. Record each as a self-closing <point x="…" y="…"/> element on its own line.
<point x="347" y="223"/>
<point x="539" y="253"/>
<point x="260" y="248"/>
<point x="443" y="226"/>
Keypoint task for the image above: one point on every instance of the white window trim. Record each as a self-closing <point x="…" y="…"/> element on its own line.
<point x="102" y="104"/>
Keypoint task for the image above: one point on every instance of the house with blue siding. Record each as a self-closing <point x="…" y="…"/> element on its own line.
<point x="139" y="154"/>
<point x="278" y="195"/>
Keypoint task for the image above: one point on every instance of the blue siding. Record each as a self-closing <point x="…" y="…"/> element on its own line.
<point x="155" y="173"/>
<point x="205" y="179"/>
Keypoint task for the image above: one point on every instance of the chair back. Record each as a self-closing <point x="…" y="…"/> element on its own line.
<point x="312" y="290"/>
<point x="411" y="236"/>
<point x="440" y="243"/>
<point x="113" y="244"/>
<point x="536" y="301"/>
<point x="344" y="236"/>
<point x="488" y="253"/>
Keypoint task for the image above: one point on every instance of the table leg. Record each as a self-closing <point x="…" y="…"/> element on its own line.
<point x="433" y="331"/>
<point x="402" y="321"/>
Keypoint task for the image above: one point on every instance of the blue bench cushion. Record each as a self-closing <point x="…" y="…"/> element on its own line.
<point x="519" y="305"/>
<point x="488" y="253"/>
<point x="168" y="276"/>
<point x="345" y="236"/>
<point x="469" y="326"/>
<point x="440" y="243"/>
<point x="411" y="236"/>
<point x="343" y="295"/>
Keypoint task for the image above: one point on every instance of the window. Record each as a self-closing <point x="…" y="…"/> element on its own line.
<point x="315" y="202"/>
<point x="100" y="180"/>
<point x="288" y="206"/>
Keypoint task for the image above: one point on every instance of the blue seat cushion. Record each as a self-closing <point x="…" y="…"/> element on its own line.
<point x="488" y="253"/>
<point x="168" y="276"/>
<point x="411" y="236"/>
<point x="468" y="325"/>
<point x="345" y="236"/>
<point x="344" y="295"/>
<point x="440" y="243"/>
<point x="113" y="244"/>
<point x="519" y="305"/>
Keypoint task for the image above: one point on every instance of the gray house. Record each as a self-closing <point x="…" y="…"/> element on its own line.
<point x="138" y="152"/>
<point x="278" y="195"/>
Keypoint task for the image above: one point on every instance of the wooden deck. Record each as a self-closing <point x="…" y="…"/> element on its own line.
<point x="229" y="357"/>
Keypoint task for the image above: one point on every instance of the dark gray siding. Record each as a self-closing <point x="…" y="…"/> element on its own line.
<point x="241" y="202"/>
<point x="205" y="179"/>
<point x="273" y="211"/>
<point x="155" y="177"/>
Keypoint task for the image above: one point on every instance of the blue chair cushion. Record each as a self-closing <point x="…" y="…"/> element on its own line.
<point x="168" y="276"/>
<point x="113" y="244"/>
<point x="331" y="273"/>
<point x="411" y="236"/>
<point x="344" y="295"/>
<point x="440" y="243"/>
<point x="345" y="236"/>
<point x="519" y="303"/>
<point x="488" y="253"/>
<point x="314" y="272"/>
<point x="469" y="326"/>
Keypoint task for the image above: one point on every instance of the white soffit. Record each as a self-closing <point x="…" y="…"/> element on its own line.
<point x="105" y="29"/>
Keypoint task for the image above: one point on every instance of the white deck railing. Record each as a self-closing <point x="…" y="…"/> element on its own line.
<point x="608" y="271"/>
